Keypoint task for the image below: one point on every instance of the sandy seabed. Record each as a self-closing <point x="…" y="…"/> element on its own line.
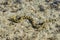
<point x="29" y="20"/>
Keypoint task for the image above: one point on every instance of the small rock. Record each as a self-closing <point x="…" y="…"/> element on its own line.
<point x="41" y="7"/>
<point x="47" y="0"/>
<point x="57" y="1"/>
<point x="54" y="5"/>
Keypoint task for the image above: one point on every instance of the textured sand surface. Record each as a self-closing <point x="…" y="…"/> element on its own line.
<point x="29" y="19"/>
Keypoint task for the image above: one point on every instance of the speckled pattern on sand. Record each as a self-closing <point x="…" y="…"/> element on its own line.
<point x="29" y="19"/>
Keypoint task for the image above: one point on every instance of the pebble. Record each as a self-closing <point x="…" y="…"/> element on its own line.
<point x="41" y="7"/>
